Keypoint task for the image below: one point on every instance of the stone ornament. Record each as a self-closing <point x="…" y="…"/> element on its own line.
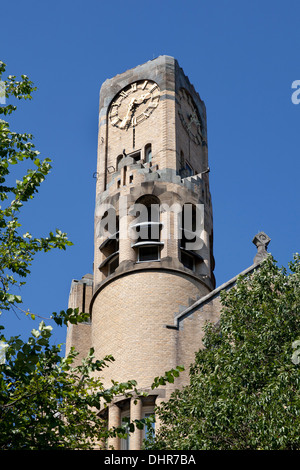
<point x="261" y="241"/>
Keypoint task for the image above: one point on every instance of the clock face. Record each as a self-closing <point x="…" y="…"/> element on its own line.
<point x="134" y="104"/>
<point x="190" y="117"/>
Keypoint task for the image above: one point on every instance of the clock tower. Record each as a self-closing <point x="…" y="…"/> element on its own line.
<point x="153" y="232"/>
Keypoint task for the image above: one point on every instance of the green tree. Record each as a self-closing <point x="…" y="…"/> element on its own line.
<point x="244" y="386"/>
<point x="46" y="402"/>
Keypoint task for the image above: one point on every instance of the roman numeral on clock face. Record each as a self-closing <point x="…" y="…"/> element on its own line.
<point x="115" y="120"/>
<point x="152" y="88"/>
<point x="152" y="104"/>
<point x="114" y="111"/>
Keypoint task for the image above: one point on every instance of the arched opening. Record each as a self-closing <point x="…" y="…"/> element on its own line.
<point x="110" y="246"/>
<point x="146" y="228"/>
<point x="148" y="153"/>
<point x="191" y="221"/>
<point x="119" y="158"/>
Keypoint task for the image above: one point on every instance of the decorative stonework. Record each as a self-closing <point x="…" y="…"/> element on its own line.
<point x="261" y="241"/>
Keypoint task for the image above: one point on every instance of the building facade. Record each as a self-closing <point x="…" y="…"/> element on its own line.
<point x="153" y="286"/>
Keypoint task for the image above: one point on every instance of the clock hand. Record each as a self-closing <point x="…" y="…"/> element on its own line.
<point x="126" y="119"/>
<point x="133" y="102"/>
<point x="194" y="118"/>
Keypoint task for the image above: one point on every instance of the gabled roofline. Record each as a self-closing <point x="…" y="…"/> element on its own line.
<point x="207" y="298"/>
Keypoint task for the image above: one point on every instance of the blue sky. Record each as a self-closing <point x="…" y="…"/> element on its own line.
<point x="242" y="58"/>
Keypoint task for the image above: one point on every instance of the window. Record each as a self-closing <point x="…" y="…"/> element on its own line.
<point x="136" y="156"/>
<point x="190" y="237"/>
<point x="113" y="264"/>
<point x="147" y="431"/>
<point x="109" y="224"/>
<point x="125" y="443"/>
<point x="188" y="169"/>
<point x="187" y="260"/>
<point x="148" y="219"/>
<point x="124" y="175"/>
<point x="148" y="153"/>
<point x="119" y="158"/>
<point x="188" y="224"/>
<point x="110" y="246"/>
<point x="146" y="228"/>
<point x="148" y="253"/>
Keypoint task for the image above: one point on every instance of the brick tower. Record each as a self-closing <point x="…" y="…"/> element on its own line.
<point x="153" y="233"/>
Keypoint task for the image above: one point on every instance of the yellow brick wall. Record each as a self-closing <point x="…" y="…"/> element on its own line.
<point x="129" y="319"/>
<point x="191" y="332"/>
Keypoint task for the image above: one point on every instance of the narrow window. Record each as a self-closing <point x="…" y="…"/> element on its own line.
<point x="188" y="224"/>
<point x="149" y="430"/>
<point x="149" y="219"/>
<point x="124" y="175"/>
<point x="125" y="443"/>
<point x="119" y="158"/>
<point x="148" y="153"/>
<point x="189" y="257"/>
<point x="110" y="245"/>
<point x="147" y="229"/>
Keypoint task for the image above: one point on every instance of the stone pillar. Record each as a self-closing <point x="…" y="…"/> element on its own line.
<point x="205" y="268"/>
<point x="114" y="420"/>
<point x="158" y="402"/>
<point x="136" y="413"/>
<point x="170" y="217"/>
<point x="126" y="252"/>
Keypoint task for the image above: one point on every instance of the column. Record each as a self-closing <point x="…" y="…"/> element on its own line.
<point x="114" y="420"/>
<point x="205" y="266"/>
<point x="126" y="253"/>
<point x="169" y="233"/>
<point x="136" y="413"/>
<point x="158" y="402"/>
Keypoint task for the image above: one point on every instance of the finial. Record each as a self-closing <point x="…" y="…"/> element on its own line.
<point x="261" y="241"/>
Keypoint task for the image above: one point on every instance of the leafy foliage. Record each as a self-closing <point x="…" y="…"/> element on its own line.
<point x="244" y="386"/>
<point x="46" y="402"/>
